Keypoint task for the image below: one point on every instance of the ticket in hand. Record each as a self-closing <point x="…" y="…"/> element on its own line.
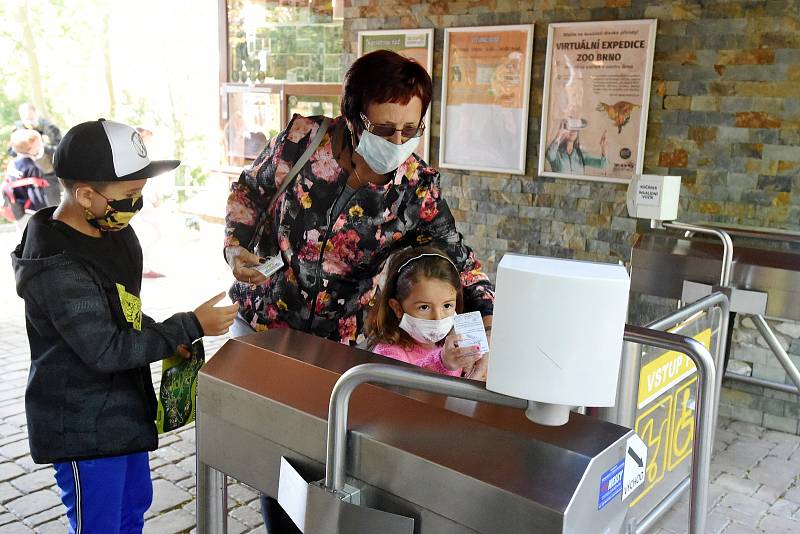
<point x="271" y="266"/>
<point x="470" y="327"/>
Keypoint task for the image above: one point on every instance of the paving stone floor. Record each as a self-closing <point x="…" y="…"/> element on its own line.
<point x="755" y="472"/>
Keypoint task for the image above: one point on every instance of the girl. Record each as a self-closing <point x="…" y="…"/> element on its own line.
<point x="415" y="312"/>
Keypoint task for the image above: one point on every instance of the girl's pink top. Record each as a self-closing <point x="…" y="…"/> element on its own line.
<point x="421" y="357"/>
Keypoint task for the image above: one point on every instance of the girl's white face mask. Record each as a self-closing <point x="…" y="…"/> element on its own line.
<point x="382" y="155"/>
<point x="426" y="330"/>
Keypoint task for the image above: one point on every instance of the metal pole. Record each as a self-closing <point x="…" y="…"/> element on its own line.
<point x="624" y="412"/>
<point x="727" y="246"/>
<point x="212" y="500"/>
<point x="397" y="376"/>
<point x="663" y="507"/>
<point x="771" y="384"/>
<point x="704" y="417"/>
<point x="775" y="344"/>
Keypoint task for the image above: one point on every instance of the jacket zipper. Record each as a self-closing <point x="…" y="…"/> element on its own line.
<point x="318" y="268"/>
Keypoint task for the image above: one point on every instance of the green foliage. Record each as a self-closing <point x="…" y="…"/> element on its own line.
<point x="133" y="66"/>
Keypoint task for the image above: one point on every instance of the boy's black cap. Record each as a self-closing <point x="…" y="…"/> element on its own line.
<point x="105" y="151"/>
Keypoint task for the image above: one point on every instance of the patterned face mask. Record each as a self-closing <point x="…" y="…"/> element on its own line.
<point x="118" y="213"/>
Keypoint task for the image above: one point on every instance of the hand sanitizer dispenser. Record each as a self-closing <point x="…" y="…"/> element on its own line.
<point x="557" y="334"/>
<point x="654" y="197"/>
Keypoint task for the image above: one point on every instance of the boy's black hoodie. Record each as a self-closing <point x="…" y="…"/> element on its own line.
<point x="89" y="390"/>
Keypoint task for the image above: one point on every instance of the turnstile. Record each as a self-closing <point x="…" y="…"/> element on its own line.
<point x="661" y="264"/>
<point x="454" y="466"/>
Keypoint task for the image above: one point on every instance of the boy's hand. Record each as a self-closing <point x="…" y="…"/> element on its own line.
<point x="184" y="351"/>
<point x="215" y="321"/>
<point x="455" y="356"/>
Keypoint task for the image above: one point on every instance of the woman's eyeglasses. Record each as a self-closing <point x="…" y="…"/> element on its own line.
<point x="385" y="130"/>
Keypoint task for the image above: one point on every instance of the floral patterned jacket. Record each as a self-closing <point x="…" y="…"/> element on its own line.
<point x="332" y="261"/>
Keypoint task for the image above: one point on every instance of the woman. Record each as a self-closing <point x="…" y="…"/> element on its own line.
<point x="564" y="153"/>
<point x="362" y="196"/>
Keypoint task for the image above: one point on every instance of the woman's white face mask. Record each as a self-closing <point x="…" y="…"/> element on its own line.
<point x="382" y="155"/>
<point x="426" y="330"/>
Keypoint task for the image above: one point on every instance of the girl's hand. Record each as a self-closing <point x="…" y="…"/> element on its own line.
<point x="479" y="370"/>
<point x="241" y="262"/>
<point x="215" y="320"/>
<point x="456" y="357"/>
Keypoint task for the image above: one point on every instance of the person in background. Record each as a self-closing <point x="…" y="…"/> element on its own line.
<point x="415" y="311"/>
<point x="89" y="402"/>
<point x="362" y="196"/>
<point x="564" y="153"/>
<point x="24" y="186"/>
<point x="30" y="119"/>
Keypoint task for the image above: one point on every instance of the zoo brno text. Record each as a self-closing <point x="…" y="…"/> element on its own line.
<point x="608" y="47"/>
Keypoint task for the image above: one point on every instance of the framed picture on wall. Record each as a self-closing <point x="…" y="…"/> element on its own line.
<point x="413" y="44"/>
<point x="595" y="100"/>
<point x="485" y="93"/>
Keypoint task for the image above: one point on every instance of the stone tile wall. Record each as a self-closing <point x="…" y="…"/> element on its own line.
<point x="724" y="114"/>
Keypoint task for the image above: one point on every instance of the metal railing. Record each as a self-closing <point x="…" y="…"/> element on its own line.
<point x="378" y="373"/>
<point x="727" y="246"/>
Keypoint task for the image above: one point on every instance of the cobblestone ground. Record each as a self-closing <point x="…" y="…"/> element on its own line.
<point x="755" y="484"/>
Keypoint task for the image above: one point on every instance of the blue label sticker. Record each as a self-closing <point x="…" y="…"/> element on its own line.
<point x="611" y="484"/>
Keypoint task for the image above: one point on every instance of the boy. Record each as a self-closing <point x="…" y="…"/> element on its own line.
<point x="25" y="187"/>
<point x="89" y="402"/>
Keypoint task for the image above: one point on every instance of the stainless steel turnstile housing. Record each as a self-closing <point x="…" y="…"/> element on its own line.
<point x="455" y="466"/>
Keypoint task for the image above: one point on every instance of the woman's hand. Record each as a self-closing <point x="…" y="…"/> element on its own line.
<point x="456" y="357"/>
<point x="242" y="262"/>
<point x="215" y="321"/>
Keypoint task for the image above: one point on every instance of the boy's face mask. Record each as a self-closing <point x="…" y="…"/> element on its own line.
<point x="118" y="213"/>
<point x="426" y="330"/>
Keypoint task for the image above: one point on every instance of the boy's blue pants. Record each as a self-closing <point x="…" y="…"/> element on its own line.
<point x="106" y="495"/>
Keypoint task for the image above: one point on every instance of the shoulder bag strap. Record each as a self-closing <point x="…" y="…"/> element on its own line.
<point x="293" y="172"/>
<point x="300" y="163"/>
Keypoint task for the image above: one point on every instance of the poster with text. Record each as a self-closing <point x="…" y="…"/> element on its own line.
<point x="595" y="100"/>
<point x="413" y="44"/>
<point x="485" y="94"/>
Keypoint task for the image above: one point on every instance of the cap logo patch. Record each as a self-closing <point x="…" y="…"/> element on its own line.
<point x="138" y="144"/>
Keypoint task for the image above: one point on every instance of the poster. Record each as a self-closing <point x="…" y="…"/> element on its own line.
<point x="596" y="96"/>
<point x="485" y="93"/>
<point x="413" y="44"/>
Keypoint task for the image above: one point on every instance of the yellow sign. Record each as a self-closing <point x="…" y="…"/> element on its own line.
<point x="666" y="424"/>
<point x="666" y="371"/>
